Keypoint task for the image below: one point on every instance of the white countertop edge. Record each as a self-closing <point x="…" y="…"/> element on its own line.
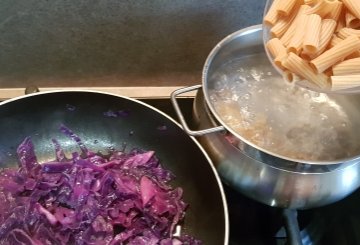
<point x="133" y="92"/>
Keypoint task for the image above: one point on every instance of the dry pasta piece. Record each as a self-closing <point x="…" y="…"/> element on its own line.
<point x="335" y="12"/>
<point x="326" y="33"/>
<point x="353" y="6"/>
<point x="334" y="40"/>
<point x="277" y="50"/>
<point x="286" y="6"/>
<point x="290" y="76"/>
<point x="300" y="67"/>
<point x="296" y="41"/>
<point x="286" y="38"/>
<point x="346" y="32"/>
<point x="336" y="53"/>
<point x="347" y="67"/>
<point x="310" y="2"/>
<point x="275" y="47"/>
<point x="323" y="8"/>
<point x="340" y="23"/>
<point x="351" y="21"/>
<point x="312" y="34"/>
<point x="356" y="54"/>
<point x="345" y="82"/>
<point x="328" y="72"/>
<point x="305" y="56"/>
<point x="272" y="15"/>
<point x="283" y="23"/>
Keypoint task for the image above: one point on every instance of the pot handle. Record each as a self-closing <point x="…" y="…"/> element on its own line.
<point x="186" y="128"/>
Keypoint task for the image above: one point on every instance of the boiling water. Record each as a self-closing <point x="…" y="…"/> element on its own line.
<point x="256" y="103"/>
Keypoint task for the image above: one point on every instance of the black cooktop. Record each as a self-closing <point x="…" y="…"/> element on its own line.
<point x="252" y="223"/>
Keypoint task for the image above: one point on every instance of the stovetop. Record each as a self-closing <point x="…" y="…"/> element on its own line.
<point x="252" y="223"/>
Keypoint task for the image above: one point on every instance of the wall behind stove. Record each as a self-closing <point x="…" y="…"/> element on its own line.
<point x="114" y="42"/>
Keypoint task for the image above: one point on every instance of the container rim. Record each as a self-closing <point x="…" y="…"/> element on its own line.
<point x="206" y="67"/>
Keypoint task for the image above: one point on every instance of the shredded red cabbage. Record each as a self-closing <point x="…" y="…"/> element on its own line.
<point x="123" y="198"/>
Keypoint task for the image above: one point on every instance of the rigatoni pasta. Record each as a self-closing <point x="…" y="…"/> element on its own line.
<point x="322" y="8"/>
<point x="344" y="82"/>
<point x="286" y="6"/>
<point x="336" y="11"/>
<point x="347" y="67"/>
<point x="326" y="33"/>
<point x="286" y="38"/>
<point x="345" y="32"/>
<point x="296" y="41"/>
<point x="310" y="2"/>
<point x="311" y="40"/>
<point x="316" y="40"/>
<point x="283" y="23"/>
<point x="351" y="21"/>
<point x="277" y="50"/>
<point x="272" y="15"/>
<point x="336" y="53"/>
<point x="353" y="6"/>
<point x="300" y="67"/>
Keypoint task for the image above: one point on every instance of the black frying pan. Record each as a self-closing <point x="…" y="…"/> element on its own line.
<point x="40" y="115"/>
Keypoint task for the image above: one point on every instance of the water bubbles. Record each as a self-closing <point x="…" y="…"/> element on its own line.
<point x="306" y="96"/>
<point x="213" y="98"/>
<point x="255" y="102"/>
<point x="282" y="108"/>
<point x="247" y="96"/>
<point x="323" y="117"/>
<point x="243" y="79"/>
<point x="227" y="117"/>
<point x="255" y="74"/>
<point x="239" y="83"/>
<point x="246" y="124"/>
<point x="235" y="97"/>
<point x="245" y="108"/>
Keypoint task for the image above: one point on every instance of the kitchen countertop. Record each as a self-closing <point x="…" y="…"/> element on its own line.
<point x="111" y="43"/>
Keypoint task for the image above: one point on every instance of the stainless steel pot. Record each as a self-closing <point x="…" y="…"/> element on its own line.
<point x="259" y="173"/>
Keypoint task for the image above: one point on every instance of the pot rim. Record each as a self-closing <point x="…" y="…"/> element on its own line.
<point x="207" y="65"/>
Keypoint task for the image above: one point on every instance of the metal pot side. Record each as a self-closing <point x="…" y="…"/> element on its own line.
<point x="265" y="177"/>
<point x="270" y="184"/>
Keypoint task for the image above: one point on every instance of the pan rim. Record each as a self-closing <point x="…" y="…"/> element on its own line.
<point x="209" y="161"/>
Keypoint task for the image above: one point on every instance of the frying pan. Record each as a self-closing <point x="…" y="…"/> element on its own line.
<point x="40" y="115"/>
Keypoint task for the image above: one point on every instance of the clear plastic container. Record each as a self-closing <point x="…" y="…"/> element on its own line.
<point x="303" y="83"/>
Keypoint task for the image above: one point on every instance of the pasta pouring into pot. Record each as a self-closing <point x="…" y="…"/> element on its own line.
<point x="315" y="42"/>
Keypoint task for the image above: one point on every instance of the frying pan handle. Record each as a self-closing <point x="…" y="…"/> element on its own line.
<point x="181" y="116"/>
